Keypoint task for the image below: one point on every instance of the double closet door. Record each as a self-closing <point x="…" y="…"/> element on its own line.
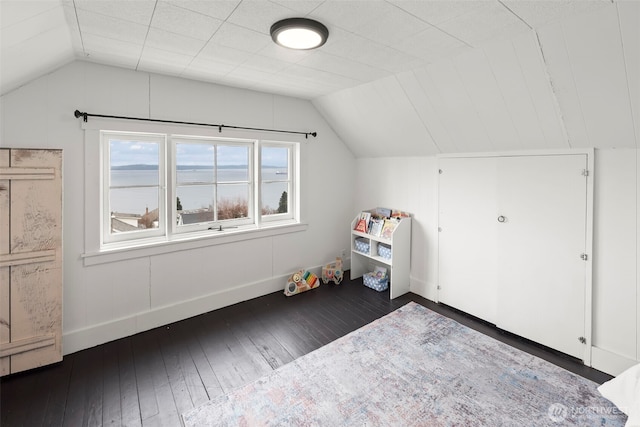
<point x="513" y="244"/>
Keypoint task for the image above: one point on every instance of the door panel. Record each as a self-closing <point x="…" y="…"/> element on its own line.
<point x="467" y="240"/>
<point x="541" y="277"/>
<point x="5" y="320"/>
<point x="30" y="259"/>
<point x="512" y="233"/>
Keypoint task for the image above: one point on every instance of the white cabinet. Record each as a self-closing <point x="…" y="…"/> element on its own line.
<point x="514" y="245"/>
<point x="399" y="263"/>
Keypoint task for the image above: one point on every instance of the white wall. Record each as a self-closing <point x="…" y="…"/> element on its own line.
<point x="571" y="84"/>
<point x="115" y="299"/>
<point x="411" y="184"/>
<point x="616" y="260"/>
<point x="408" y="184"/>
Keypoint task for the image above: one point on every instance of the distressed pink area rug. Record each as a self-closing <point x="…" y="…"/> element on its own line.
<point x="413" y="367"/>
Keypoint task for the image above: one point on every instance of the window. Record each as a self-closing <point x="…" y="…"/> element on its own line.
<point x="275" y="181"/>
<point x="214" y="184"/>
<point x="133" y="198"/>
<point x="159" y="187"/>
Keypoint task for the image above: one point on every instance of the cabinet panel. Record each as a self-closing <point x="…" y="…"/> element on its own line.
<point x="5" y="325"/>
<point x="31" y="259"/>
<point x="513" y="229"/>
<point x="5" y="319"/>
<point x="541" y="276"/>
<point x="467" y="238"/>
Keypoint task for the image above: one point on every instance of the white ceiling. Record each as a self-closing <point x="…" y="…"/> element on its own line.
<point x="228" y="42"/>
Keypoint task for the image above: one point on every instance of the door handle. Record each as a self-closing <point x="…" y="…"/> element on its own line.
<point x="502" y="218"/>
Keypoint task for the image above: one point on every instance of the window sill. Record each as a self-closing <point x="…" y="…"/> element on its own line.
<point x="186" y="242"/>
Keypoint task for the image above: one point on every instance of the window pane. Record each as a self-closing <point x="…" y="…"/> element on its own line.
<point x="275" y="177"/>
<point x="134" y="209"/>
<point x="129" y="176"/>
<point x="233" y="163"/>
<point x="275" y="198"/>
<point x="275" y="164"/>
<point x="194" y="163"/>
<point x="195" y="204"/>
<point x="233" y="201"/>
<point x="134" y="181"/>
<point x="133" y="163"/>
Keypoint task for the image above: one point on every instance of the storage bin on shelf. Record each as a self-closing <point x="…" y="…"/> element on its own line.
<point x="372" y="281"/>
<point x="384" y="250"/>
<point x="362" y="245"/>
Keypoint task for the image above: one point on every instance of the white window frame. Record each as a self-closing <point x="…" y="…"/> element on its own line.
<point x="292" y="170"/>
<point x="216" y="224"/>
<point x="167" y="233"/>
<point x="106" y="236"/>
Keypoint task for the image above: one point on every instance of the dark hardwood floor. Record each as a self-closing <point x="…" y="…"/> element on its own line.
<point x="154" y="376"/>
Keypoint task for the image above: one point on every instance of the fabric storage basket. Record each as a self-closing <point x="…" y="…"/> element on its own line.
<point x="384" y="251"/>
<point x="378" y="283"/>
<point x="362" y="245"/>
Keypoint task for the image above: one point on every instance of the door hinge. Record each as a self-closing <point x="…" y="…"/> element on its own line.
<point x="584" y="257"/>
<point x="440" y="171"/>
<point x="582" y="340"/>
<point x="439" y="287"/>
<point x="585" y="172"/>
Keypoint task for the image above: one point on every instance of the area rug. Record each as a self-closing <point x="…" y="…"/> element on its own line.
<point x="413" y="367"/>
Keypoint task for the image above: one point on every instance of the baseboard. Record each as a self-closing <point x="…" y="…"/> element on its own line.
<point x="610" y="363"/>
<point x="423" y="288"/>
<point x="94" y="335"/>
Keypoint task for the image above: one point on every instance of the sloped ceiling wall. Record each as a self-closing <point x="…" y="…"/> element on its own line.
<point x="568" y="85"/>
<point x="34" y="41"/>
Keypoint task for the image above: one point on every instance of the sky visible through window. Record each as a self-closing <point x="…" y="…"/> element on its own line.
<point x="125" y="152"/>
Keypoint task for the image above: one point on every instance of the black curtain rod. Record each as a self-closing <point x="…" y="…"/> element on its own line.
<point x="84" y="116"/>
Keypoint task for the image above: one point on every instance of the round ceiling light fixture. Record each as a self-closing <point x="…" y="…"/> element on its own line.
<point x="299" y="33"/>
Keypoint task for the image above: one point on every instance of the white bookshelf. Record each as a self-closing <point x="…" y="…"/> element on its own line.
<point x="399" y="263"/>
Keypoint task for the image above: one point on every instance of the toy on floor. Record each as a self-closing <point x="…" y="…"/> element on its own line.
<point x="333" y="271"/>
<point x="301" y="281"/>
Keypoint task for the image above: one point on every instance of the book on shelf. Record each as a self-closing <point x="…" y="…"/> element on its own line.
<point x="399" y="214"/>
<point x="388" y="227"/>
<point x="380" y="272"/>
<point x="363" y="222"/>
<point x="361" y="226"/>
<point x="376" y="226"/>
<point x="383" y="212"/>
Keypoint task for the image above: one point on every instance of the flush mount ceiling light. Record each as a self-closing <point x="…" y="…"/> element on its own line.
<point x="299" y="33"/>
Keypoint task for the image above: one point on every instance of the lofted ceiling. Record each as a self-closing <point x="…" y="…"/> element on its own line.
<point x="227" y="41"/>
<point x="396" y="77"/>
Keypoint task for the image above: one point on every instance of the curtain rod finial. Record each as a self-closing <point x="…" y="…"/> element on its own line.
<point x="79" y="113"/>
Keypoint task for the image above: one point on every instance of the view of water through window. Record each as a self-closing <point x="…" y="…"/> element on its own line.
<point x="213" y="182"/>
<point x="135" y="201"/>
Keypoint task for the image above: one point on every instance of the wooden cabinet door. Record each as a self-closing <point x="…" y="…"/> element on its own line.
<point x="30" y="258"/>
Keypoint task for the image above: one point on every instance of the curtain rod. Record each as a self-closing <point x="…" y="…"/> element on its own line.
<point x="84" y="116"/>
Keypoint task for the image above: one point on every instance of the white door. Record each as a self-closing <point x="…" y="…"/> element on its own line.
<point x="541" y="236"/>
<point x="512" y="232"/>
<point x="467" y="235"/>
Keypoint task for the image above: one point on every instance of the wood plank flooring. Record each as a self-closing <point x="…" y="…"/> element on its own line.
<point x="151" y="378"/>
